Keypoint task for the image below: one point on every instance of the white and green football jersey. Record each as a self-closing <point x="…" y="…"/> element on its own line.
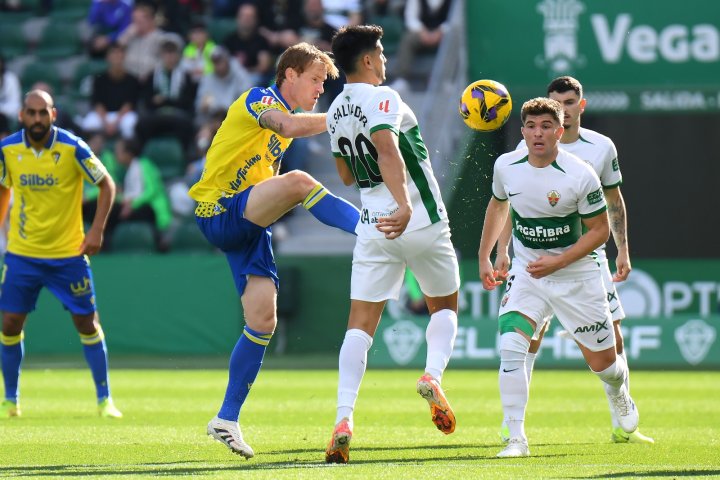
<point x="547" y="207"/>
<point x="354" y="115"/>
<point x="600" y="152"/>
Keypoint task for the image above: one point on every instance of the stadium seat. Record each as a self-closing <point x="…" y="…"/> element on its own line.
<point x="393" y="27"/>
<point x="82" y="78"/>
<point x="167" y="154"/>
<point x="133" y="237"/>
<point x="12" y="40"/>
<point x="41" y="71"/>
<point x="58" y="41"/>
<point x="70" y="10"/>
<point x="188" y="237"/>
<point x="219" y="28"/>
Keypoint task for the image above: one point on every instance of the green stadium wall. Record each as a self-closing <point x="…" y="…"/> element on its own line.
<point x="186" y="305"/>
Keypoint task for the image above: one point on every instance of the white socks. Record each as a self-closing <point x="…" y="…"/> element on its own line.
<point x="614" y="376"/>
<point x="613" y="416"/>
<point x="529" y="364"/>
<point x="352" y="364"/>
<point x="513" y="382"/>
<point x="440" y="337"/>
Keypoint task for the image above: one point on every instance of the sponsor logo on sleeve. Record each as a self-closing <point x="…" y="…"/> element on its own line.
<point x="595" y="197"/>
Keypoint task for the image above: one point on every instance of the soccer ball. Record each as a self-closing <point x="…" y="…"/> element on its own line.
<point x="485" y="105"/>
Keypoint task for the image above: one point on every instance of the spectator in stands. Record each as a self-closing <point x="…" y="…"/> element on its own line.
<point x="142" y="40"/>
<point x="219" y="89"/>
<point x="425" y="25"/>
<point x="169" y="99"/>
<point x="196" y="55"/>
<point x="318" y="32"/>
<point x="250" y="48"/>
<point x="10" y="96"/>
<point x="178" y="15"/>
<point x="114" y="98"/>
<point x="108" y="19"/>
<point x="315" y="30"/>
<point x="227" y="8"/>
<point x="343" y="12"/>
<point x="141" y="195"/>
<point x="280" y="23"/>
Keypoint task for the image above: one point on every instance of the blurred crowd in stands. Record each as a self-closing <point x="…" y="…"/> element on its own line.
<point x="147" y="83"/>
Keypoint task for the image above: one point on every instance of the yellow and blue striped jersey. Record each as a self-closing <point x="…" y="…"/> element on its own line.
<point x="46" y="215"/>
<point x="242" y="153"/>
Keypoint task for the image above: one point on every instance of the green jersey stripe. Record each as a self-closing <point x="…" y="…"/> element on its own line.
<point x="413" y="151"/>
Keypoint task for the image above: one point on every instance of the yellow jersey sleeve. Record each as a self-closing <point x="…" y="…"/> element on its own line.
<point x="242" y="153"/>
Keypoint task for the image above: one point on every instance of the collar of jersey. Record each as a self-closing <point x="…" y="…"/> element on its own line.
<point x="276" y="91"/>
<point x="50" y="140"/>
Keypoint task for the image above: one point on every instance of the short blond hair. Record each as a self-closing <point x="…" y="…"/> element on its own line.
<point x="299" y="57"/>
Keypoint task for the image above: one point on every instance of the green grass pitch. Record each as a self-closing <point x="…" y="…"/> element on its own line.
<point x="289" y="417"/>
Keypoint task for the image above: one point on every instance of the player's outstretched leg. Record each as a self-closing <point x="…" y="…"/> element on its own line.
<point x="228" y="432"/>
<point x="12" y="352"/>
<point x="338" y="450"/>
<point x="331" y="210"/>
<point x="440" y="409"/>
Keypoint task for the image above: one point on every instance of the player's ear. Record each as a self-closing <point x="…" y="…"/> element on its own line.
<point x="291" y="74"/>
<point x="583" y="102"/>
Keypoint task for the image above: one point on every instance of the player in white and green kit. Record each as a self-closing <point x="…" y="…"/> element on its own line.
<point x="558" y="219"/>
<point x="600" y="152"/>
<point x="403" y="224"/>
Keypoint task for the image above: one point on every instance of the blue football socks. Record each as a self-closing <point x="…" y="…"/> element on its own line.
<point x="245" y="363"/>
<point x="96" y="356"/>
<point x="11" y="354"/>
<point x="331" y="210"/>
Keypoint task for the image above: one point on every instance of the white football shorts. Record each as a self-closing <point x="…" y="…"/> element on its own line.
<point x="379" y="264"/>
<point x="616" y="310"/>
<point x="580" y="306"/>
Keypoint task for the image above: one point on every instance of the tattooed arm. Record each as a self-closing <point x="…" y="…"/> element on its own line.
<point x="618" y="227"/>
<point x="293" y="126"/>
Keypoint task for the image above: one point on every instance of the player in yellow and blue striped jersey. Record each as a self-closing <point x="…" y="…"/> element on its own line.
<point x="240" y="195"/>
<point x="45" y="167"/>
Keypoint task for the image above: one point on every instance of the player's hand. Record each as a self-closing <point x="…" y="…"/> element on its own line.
<point x="394" y="225"/>
<point x="488" y="275"/>
<point x="544" y="266"/>
<point x="622" y="262"/>
<point x="502" y="265"/>
<point x="92" y="242"/>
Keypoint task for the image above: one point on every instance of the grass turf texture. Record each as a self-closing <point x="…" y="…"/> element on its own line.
<point x="290" y="414"/>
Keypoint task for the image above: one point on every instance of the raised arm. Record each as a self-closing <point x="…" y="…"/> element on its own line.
<point x="294" y="126"/>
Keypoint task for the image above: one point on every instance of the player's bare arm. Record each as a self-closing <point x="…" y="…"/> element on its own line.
<point x="618" y="227"/>
<point x="94" y="236"/>
<point x="495" y="219"/>
<point x="293" y="126"/>
<point x="392" y="169"/>
<point x="502" y="255"/>
<point x="344" y="171"/>
<point x="598" y="232"/>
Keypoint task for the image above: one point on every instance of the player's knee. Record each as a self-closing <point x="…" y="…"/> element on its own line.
<point x="12" y="323"/>
<point x="85" y="324"/>
<point x="300" y="183"/>
<point x="513" y="350"/>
